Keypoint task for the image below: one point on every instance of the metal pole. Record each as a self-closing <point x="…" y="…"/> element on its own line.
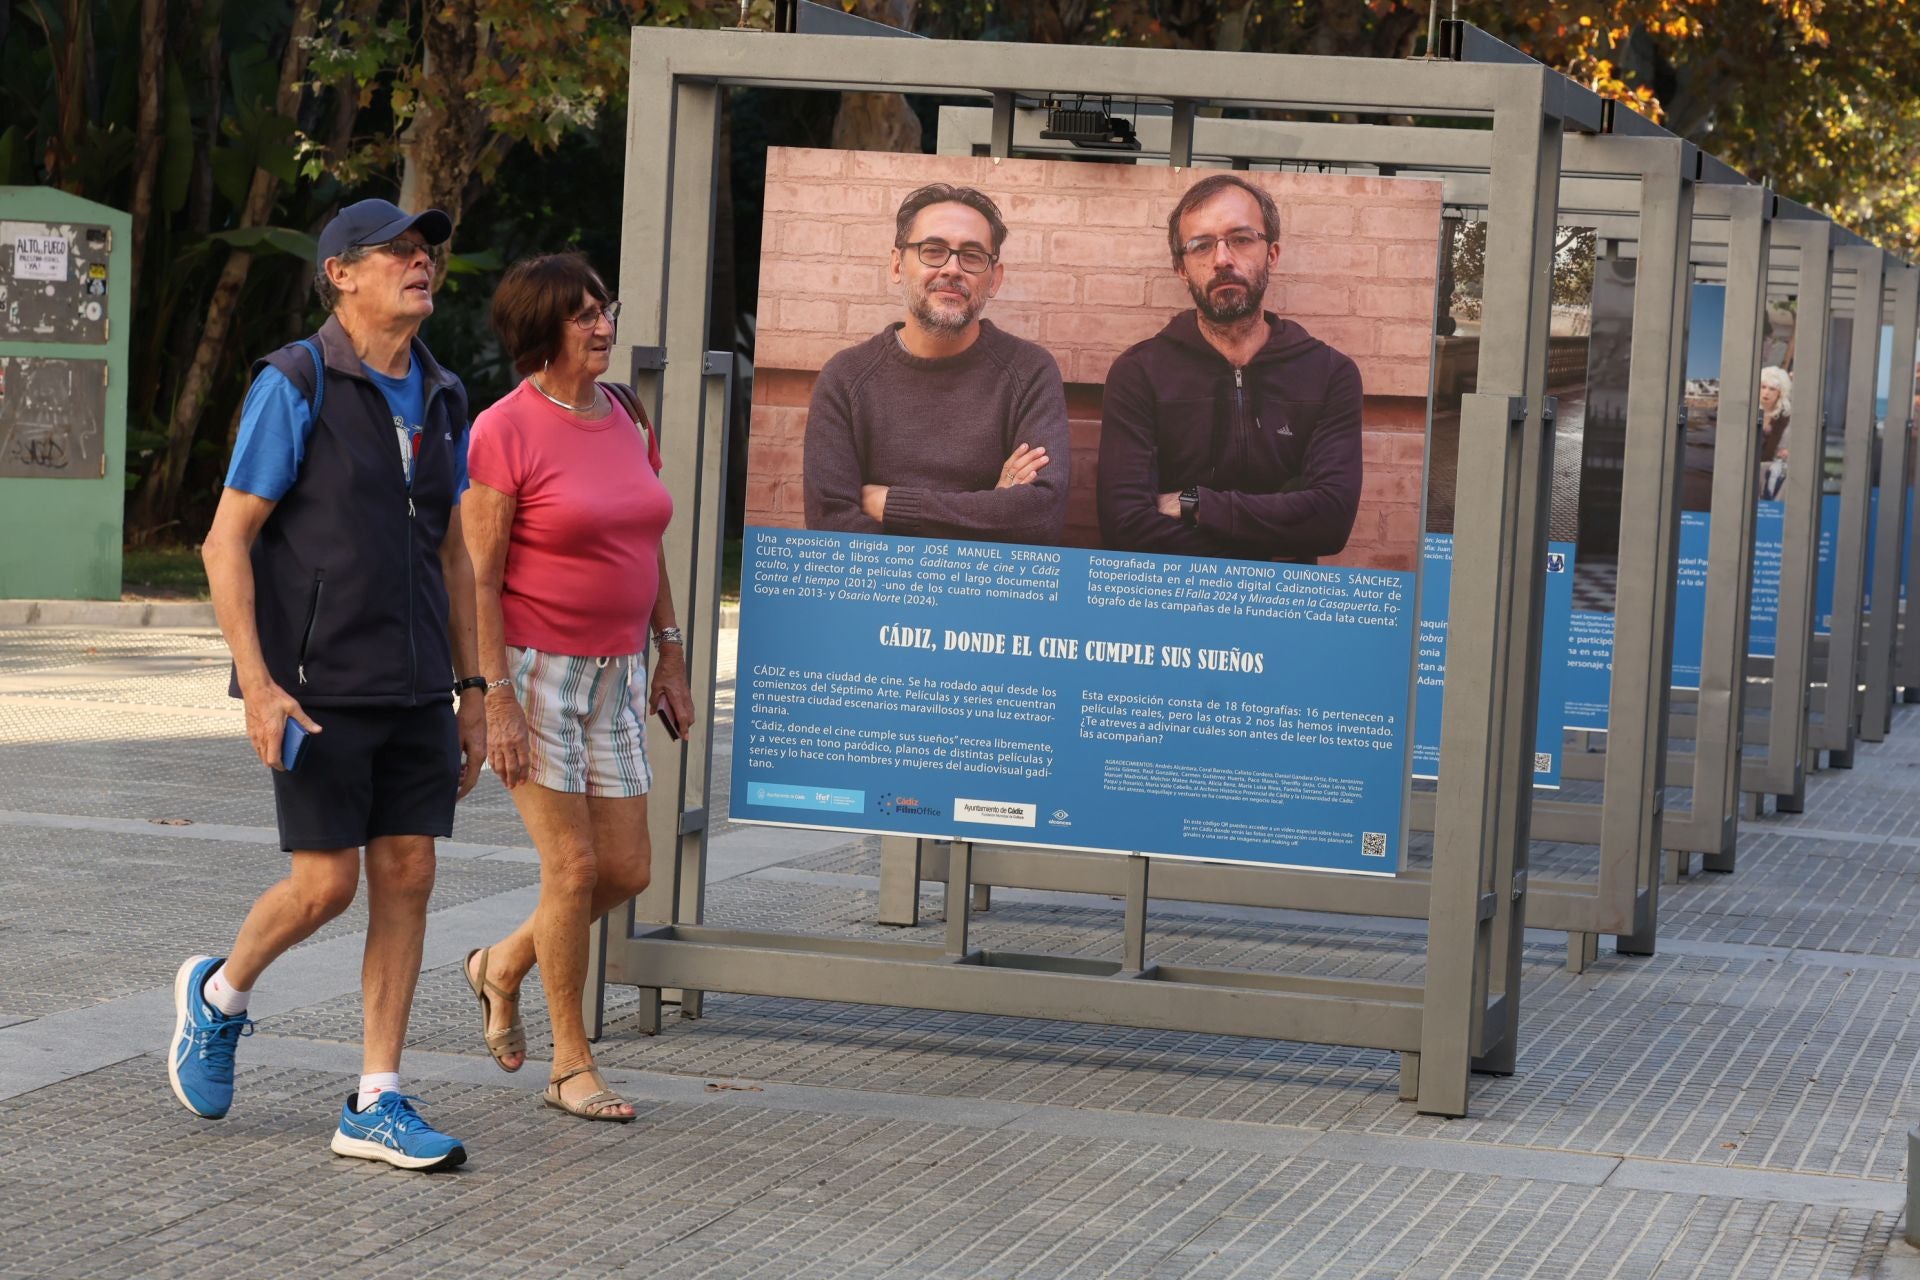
<point x="1723" y="644"/>
<point x="1643" y="604"/>
<point x="1470" y="838"/>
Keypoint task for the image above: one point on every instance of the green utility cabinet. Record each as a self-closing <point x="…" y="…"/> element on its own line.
<point x="65" y="314"/>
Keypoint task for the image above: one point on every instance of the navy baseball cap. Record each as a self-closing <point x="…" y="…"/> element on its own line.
<point x="376" y="222"/>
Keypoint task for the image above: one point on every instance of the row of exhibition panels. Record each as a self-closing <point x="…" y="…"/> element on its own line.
<point x="1537" y="152"/>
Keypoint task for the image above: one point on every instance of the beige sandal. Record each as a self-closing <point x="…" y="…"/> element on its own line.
<point x="595" y="1106"/>
<point x="511" y="1038"/>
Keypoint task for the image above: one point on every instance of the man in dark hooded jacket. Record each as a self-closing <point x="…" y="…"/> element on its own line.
<point x="1231" y="432"/>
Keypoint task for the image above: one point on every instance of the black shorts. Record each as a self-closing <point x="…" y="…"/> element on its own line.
<point x="383" y="771"/>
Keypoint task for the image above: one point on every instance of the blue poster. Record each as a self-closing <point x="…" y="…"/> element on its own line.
<point x="1589" y="679"/>
<point x="1706" y="327"/>
<point x="1769" y="544"/>
<point x="1823" y="568"/>
<point x="1873" y="541"/>
<point x="1127" y="702"/>
<point x="1690" y="599"/>
<point x="1436" y="585"/>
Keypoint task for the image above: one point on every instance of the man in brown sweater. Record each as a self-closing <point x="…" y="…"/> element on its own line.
<point x="941" y="425"/>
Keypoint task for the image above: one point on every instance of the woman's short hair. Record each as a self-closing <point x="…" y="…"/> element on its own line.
<point x="1782" y="381"/>
<point x="534" y="301"/>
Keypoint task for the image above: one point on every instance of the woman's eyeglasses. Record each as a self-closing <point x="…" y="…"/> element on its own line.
<point x="587" y="321"/>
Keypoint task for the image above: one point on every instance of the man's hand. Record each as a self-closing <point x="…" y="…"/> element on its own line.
<point x="506" y="737"/>
<point x="1022" y="465"/>
<point x="670" y="679"/>
<point x="472" y="717"/>
<point x="873" y="501"/>
<point x="1170" y="505"/>
<point x="269" y="707"/>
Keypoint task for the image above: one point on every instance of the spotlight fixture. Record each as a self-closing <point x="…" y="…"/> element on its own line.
<point x="1095" y="129"/>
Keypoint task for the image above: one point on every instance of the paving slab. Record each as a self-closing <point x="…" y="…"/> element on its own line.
<point x="1734" y="1106"/>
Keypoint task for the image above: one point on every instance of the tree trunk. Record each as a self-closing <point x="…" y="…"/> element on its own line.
<point x="146" y="145"/>
<point x="878" y="121"/>
<point x="443" y="142"/>
<point x="68" y="46"/>
<point x="160" y="494"/>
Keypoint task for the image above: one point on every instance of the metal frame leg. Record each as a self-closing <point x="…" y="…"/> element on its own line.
<point x="900" y="868"/>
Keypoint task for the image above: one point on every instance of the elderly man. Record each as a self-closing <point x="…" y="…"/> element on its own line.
<point x="941" y="425"/>
<point x="1231" y="432"/>
<point x="341" y="582"/>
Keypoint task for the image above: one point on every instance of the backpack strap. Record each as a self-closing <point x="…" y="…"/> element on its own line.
<point x="318" y="397"/>
<point x="630" y="401"/>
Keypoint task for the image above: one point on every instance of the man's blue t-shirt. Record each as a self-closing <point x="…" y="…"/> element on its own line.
<point x="276" y="423"/>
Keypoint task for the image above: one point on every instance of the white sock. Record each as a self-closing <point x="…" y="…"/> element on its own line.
<point x="223" y="995"/>
<point x="372" y="1086"/>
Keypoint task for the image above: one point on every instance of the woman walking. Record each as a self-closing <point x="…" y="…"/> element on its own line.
<point x="563" y="524"/>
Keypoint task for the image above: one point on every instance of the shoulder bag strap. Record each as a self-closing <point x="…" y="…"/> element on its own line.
<point x="630" y="401"/>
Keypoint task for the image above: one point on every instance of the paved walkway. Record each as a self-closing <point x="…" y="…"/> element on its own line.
<point x="1735" y="1106"/>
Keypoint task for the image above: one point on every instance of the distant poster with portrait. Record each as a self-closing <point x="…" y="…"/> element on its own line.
<point x="1070" y="527"/>
<point x="1706" y="329"/>
<point x="1779" y="324"/>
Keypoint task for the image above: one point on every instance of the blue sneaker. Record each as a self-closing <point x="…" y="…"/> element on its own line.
<point x="391" y="1130"/>
<point x="200" y="1063"/>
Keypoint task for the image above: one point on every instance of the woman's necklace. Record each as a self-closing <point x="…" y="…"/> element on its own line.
<point x="582" y="409"/>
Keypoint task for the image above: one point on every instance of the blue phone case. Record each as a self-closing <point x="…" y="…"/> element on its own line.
<point x="294" y="738"/>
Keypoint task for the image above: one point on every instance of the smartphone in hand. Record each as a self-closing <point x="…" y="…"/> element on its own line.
<point x="664" y="709"/>
<point x="292" y="739"/>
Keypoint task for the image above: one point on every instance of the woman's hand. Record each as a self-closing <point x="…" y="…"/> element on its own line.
<point x="670" y="681"/>
<point x="507" y="737"/>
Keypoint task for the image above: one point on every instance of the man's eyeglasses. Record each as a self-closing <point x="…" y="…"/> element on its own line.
<point x="1241" y="243"/>
<point x="934" y="253"/>
<point x="589" y="319"/>
<point x="404" y="249"/>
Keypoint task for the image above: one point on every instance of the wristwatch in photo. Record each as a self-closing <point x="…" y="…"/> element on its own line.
<point x="1190" y="506"/>
<point x="471" y="682"/>
<point x="669" y="635"/>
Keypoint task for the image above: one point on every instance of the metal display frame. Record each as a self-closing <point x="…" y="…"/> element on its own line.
<point x="1464" y="1014"/>
<point x="1838" y="698"/>
<point x="1653" y="177"/>
<point x="1882" y="623"/>
<point x="1802" y="265"/>
<point x="1906" y="657"/>
<point x="1711" y="825"/>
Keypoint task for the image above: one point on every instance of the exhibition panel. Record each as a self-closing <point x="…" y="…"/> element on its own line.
<point x="1474" y="904"/>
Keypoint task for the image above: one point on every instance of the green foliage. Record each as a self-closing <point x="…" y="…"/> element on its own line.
<point x="1817" y="96"/>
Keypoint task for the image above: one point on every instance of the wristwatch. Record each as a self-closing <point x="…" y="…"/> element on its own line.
<point x="471" y="682"/>
<point x="669" y="635"/>
<point x="1190" y="506"/>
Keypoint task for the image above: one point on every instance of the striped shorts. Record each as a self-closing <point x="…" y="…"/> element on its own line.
<point x="586" y="721"/>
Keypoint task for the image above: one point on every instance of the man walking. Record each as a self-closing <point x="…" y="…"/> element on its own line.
<point x="341" y="582"/>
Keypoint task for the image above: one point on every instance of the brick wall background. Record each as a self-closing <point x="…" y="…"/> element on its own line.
<point x="1088" y="276"/>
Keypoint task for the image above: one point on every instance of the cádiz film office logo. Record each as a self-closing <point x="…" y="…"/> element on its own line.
<point x="910" y="805"/>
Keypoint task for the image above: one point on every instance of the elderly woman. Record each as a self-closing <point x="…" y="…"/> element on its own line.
<point x="563" y="524"/>
<point x="1776" y="411"/>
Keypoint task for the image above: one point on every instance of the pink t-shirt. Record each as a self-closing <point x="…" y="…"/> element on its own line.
<point x="583" y="554"/>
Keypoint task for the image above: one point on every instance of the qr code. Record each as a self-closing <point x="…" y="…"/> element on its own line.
<point x="1542" y="762"/>
<point x="1373" y="844"/>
